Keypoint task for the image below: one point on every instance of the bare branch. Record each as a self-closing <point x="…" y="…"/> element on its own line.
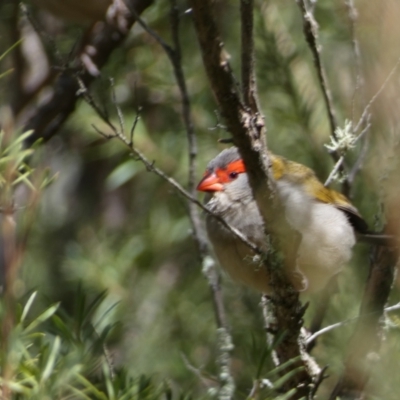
<point x="311" y="34"/>
<point x="310" y="28"/>
<point x="167" y="48"/>
<point x="176" y="61"/>
<point x="352" y="14"/>
<point x="49" y="117"/>
<point x="152" y="168"/>
<point x="334" y="171"/>
<point x="208" y="264"/>
<point x="248" y="131"/>
<point x="366" y="337"/>
<point x="329" y="328"/>
<point x="363" y="152"/>
<point x="332" y="327"/>
<point x="119" y="112"/>
<point x="207" y="380"/>
<point x="364" y="115"/>
<point x="175" y="57"/>
<point x="248" y="74"/>
<point x="135" y="122"/>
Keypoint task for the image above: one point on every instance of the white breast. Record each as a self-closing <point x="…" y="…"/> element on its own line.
<point x="327" y="236"/>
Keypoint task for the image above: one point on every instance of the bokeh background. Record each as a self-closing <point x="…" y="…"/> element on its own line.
<point x="106" y="226"/>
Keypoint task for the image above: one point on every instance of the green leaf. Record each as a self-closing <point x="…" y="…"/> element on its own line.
<point x="24" y="178"/>
<point x="52" y="359"/>
<point x="18" y="142"/>
<point x="11" y="48"/>
<point x="28" y="306"/>
<point x="5" y="73"/>
<point x="42" y="317"/>
<point x="62" y="328"/>
<point x="94" y="305"/>
<point x="91" y="388"/>
<point x="283" y="366"/>
<point x="288" y="395"/>
<point x="280" y="382"/>
<point x="108" y="381"/>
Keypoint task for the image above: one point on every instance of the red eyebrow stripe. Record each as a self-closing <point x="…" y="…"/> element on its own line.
<point x="237" y="166"/>
<point x="223" y="173"/>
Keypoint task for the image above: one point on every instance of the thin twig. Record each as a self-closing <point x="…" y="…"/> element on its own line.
<point x="365" y="113"/>
<point x="175" y="56"/>
<point x="248" y="133"/>
<point x="352" y="14"/>
<point x="311" y="34"/>
<point x="207" y="380"/>
<point x="248" y="75"/>
<point x="208" y="263"/>
<point x="152" y="168"/>
<point x="119" y="112"/>
<point x="135" y="122"/>
<point x="310" y="28"/>
<point x="363" y="153"/>
<point x="53" y="52"/>
<point x="332" y="327"/>
<point x="83" y="91"/>
<point x="225" y="345"/>
<point x="218" y="125"/>
<point x="321" y="377"/>
<point x="329" y="328"/>
<point x="49" y="116"/>
<point x="176" y="61"/>
<point x="365" y="122"/>
<point x="334" y="171"/>
<point x="167" y="48"/>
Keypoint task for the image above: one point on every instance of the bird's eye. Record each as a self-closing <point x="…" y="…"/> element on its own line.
<point x="233" y="175"/>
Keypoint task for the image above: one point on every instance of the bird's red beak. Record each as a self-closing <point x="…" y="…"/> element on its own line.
<point x="210" y="183"/>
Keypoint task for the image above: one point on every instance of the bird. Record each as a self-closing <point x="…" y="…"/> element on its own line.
<point x="325" y="219"/>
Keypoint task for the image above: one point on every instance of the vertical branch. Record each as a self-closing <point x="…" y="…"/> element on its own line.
<point x="248" y="74"/>
<point x="175" y="56"/>
<point x="248" y="132"/>
<point x="310" y="27"/>
<point x="352" y="13"/>
<point x="245" y="123"/>
<point x="366" y="338"/>
<point x="311" y="34"/>
<point x="209" y="269"/>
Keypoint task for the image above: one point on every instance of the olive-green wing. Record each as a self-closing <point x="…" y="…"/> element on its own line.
<point x="342" y="203"/>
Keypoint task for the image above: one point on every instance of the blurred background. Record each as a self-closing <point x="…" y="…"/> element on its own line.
<point x="107" y="227"/>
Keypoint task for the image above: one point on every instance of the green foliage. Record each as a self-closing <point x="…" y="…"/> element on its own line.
<point x="2" y="56"/>
<point x="111" y="299"/>
<point x="51" y="355"/>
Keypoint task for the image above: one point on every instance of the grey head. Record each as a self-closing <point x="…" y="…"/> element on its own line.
<point x="228" y="170"/>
